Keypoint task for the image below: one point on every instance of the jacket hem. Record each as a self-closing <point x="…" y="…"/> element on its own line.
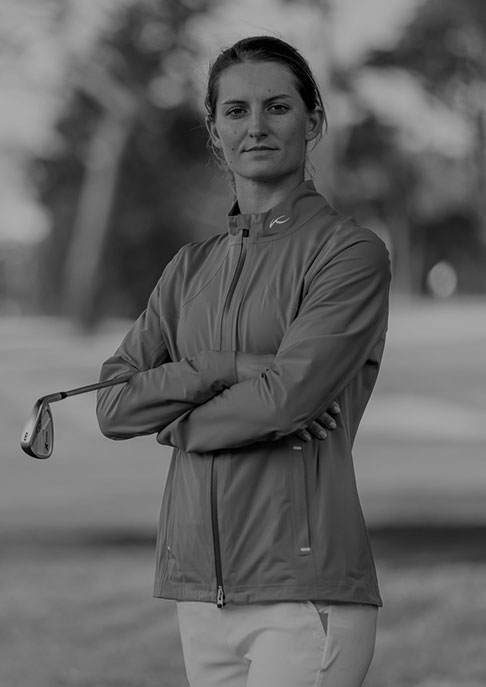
<point x="332" y="593"/>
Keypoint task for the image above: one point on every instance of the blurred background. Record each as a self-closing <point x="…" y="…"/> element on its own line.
<point x="104" y="173"/>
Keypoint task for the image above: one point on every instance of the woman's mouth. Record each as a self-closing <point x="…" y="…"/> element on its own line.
<point x="258" y="149"/>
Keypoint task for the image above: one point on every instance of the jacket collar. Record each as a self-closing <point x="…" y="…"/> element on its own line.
<point x="300" y="205"/>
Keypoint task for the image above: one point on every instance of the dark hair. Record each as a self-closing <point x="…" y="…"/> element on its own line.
<point x="265" y="49"/>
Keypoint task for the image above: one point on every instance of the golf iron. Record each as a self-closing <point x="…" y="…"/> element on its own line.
<point x="38" y="434"/>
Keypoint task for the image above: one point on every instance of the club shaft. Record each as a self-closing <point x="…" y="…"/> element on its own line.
<point x="52" y="398"/>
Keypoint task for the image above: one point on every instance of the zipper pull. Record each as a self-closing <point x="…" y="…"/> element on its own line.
<point x="245" y="233"/>
<point x="220" y="597"/>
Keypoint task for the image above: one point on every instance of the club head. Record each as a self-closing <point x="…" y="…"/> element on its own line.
<point x="38" y="434"/>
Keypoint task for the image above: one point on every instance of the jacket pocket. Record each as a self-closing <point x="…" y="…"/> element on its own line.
<point x="174" y="572"/>
<point x="183" y="542"/>
<point x="299" y="499"/>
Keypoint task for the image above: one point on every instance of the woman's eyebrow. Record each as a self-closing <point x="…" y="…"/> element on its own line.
<point x="233" y="101"/>
<point x="279" y="96"/>
<point x="240" y="101"/>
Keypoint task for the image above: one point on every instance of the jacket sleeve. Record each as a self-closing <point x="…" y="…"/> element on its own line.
<point x="342" y="316"/>
<point x="160" y="389"/>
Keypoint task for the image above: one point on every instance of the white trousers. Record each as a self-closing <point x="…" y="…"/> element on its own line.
<point x="291" y="644"/>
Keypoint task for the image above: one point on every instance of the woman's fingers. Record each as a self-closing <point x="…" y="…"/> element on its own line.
<point x="335" y="408"/>
<point x="304" y="435"/>
<point x="328" y="421"/>
<point x="317" y="429"/>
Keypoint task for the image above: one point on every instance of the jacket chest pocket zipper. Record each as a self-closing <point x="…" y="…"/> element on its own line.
<point x="299" y="501"/>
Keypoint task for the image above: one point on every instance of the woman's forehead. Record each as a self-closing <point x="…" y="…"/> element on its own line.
<point x="263" y="79"/>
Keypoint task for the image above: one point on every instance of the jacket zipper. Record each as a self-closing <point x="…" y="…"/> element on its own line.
<point x="220" y="596"/>
<point x="216" y="541"/>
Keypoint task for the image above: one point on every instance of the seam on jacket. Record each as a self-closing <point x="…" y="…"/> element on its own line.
<point x="292" y="309"/>
<point x="119" y="353"/>
<point x="333" y="234"/>
<point x="333" y="231"/>
<point x="339" y="581"/>
<point x="161" y="345"/>
<point x="367" y="237"/>
<point x="168" y="272"/>
<point x="209" y="279"/>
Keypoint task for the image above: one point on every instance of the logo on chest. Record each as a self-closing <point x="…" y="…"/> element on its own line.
<point x="279" y="220"/>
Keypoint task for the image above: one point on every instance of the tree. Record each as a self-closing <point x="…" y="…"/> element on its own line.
<point x="415" y="153"/>
<point x="124" y="116"/>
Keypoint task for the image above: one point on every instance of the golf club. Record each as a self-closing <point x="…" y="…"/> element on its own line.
<point x="38" y="433"/>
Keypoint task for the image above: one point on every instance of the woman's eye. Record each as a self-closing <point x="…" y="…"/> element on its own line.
<point x="235" y="112"/>
<point x="279" y="108"/>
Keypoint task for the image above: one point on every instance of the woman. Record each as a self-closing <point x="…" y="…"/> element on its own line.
<point x="246" y="340"/>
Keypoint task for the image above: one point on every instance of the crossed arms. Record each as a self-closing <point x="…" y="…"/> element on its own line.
<point x="226" y="399"/>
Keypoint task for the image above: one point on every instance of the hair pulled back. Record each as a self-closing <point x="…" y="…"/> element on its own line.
<point x="264" y="49"/>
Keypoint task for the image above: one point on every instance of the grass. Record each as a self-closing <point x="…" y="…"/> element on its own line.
<point x="431" y="629"/>
<point x="77" y="531"/>
<point x="82" y="616"/>
<point x="77" y="612"/>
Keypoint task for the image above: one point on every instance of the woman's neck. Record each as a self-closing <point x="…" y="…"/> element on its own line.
<point x="255" y="196"/>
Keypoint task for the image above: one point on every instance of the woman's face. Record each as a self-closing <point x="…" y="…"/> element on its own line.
<point x="262" y="125"/>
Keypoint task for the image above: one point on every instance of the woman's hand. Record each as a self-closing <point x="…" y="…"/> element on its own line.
<point x="249" y="365"/>
<point x="320" y="428"/>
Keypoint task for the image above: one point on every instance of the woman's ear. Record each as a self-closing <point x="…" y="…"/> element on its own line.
<point x="213" y="132"/>
<point x="315" y="123"/>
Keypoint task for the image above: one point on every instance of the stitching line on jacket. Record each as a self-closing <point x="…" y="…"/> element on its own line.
<point x="209" y="280"/>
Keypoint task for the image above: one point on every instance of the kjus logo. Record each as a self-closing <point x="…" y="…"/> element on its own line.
<point x="279" y="220"/>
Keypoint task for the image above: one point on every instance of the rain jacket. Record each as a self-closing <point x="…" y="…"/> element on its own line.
<point x="251" y="513"/>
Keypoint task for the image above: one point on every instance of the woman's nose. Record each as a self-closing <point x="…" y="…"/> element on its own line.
<point x="258" y="126"/>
